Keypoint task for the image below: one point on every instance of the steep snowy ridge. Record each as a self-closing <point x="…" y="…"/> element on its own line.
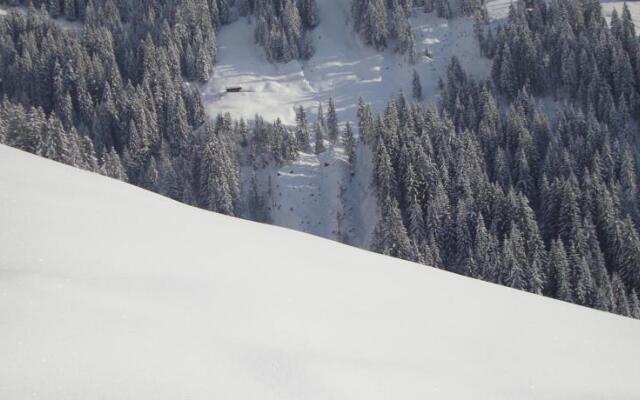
<point x="109" y="291"/>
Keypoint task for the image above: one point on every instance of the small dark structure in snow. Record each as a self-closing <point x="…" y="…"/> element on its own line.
<point x="234" y="89"/>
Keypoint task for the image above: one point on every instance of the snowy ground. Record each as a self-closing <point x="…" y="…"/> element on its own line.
<point x="342" y="67"/>
<point x="634" y="8"/>
<point x="61" y="22"/>
<point x="499" y="9"/>
<point x="322" y="195"/>
<point x="108" y="291"/>
<point x="306" y="193"/>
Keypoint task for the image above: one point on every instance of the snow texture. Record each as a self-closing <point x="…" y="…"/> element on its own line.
<point x="634" y="8"/>
<point x="61" y="22"/>
<point x="499" y="9"/>
<point x="112" y="292"/>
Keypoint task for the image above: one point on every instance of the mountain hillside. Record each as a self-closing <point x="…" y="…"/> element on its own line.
<point x="109" y="291"/>
<point x="305" y="192"/>
<point x="342" y="66"/>
<point x="306" y="195"/>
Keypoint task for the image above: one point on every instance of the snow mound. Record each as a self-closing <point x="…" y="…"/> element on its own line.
<point x="342" y="67"/>
<point x="109" y="291"/>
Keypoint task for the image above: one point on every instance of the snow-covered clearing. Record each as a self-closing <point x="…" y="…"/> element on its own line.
<point x="634" y="8"/>
<point x="306" y="194"/>
<point x="342" y="67"/>
<point x="112" y="292"/>
<point x="499" y="9"/>
<point x="61" y="22"/>
<point x="322" y="195"/>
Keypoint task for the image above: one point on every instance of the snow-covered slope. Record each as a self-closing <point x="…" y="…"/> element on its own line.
<point x="61" y="22"/>
<point x="499" y="9"/>
<point x="634" y="8"/>
<point x="322" y="195"/>
<point x="306" y="192"/>
<point x="342" y="67"/>
<point x="108" y="291"/>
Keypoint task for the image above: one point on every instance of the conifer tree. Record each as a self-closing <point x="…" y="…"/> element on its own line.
<point x="390" y="236"/>
<point x="332" y="122"/>
<point x="620" y="296"/>
<point x="319" y="135"/>
<point x="383" y="173"/>
<point x="560" y="272"/>
<point x="349" y="144"/>
<point x="417" y="86"/>
<point x="302" y="130"/>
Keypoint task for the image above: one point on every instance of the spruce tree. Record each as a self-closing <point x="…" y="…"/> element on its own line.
<point x="559" y="267"/>
<point x="332" y="122"/>
<point x="302" y="130"/>
<point x="349" y="144"/>
<point x="319" y="138"/>
<point x="417" y="86"/>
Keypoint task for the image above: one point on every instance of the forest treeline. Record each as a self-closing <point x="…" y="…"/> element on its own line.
<point x="118" y="98"/>
<point x="485" y="185"/>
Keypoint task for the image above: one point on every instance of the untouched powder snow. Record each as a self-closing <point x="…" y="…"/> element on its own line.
<point x="342" y="67"/>
<point x="108" y="291"/>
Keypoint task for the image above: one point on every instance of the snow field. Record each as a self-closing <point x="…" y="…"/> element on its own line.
<point x="109" y="291"/>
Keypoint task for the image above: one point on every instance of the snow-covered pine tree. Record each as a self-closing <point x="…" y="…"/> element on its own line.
<point x="416" y="86"/>
<point x="319" y="138"/>
<point x="332" y="122"/>
<point x="350" y="144"/>
<point x="302" y="130"/>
